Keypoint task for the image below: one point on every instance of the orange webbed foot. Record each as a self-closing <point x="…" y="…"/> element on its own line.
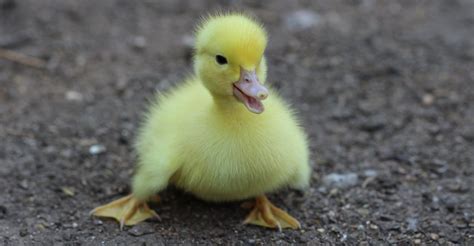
<point x="265" y="214"/>
<point x="126" y="210"/>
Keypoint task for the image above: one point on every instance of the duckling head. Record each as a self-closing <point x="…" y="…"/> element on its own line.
<point x="229" y="60"/>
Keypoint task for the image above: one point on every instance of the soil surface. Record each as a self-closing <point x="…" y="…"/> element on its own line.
<point x="385" y="90"/>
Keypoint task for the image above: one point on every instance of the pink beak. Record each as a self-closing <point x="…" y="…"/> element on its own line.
<point x="250" y="92"/>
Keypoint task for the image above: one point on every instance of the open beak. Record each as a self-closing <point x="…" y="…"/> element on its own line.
<point x="250" y="92"/>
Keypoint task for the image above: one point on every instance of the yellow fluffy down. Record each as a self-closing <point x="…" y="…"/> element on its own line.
<point x="220" y="153"/>
<point x="229" y="34"/>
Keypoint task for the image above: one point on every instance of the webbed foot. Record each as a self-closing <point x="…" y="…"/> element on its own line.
<point x="265" y="214"/>
<point x="126" y="210"/>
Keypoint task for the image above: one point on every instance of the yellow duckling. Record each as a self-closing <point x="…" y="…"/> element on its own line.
<point x="214" y="138"/>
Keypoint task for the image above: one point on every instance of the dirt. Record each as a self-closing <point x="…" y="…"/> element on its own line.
<point x="385" y="90"/>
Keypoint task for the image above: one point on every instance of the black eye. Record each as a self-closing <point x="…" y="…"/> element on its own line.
<point x="221" y="60"/>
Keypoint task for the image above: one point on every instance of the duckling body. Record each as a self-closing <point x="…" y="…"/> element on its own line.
<point x="223" y="153"/>
<point x="214" y="137"/>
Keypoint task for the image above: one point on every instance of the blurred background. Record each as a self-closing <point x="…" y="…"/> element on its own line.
<point x="385" y="90"/>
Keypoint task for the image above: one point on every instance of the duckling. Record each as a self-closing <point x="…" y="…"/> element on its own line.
<point x="214" y="137"/>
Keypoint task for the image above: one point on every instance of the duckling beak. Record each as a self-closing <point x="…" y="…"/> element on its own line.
<point x="250" y="92"/>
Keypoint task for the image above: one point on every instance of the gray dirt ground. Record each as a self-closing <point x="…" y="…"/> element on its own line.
<point x="385" y="90"/>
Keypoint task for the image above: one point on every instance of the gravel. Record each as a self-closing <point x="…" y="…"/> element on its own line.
<point x="383" y="89"/>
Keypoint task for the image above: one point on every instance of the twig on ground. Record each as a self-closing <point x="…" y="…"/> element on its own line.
<point x="21" y="58"/>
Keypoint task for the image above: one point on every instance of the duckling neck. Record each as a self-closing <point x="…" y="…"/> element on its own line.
<point x="230" y="108"/>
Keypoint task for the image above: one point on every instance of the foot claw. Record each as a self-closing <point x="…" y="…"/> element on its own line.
<point x="127" y="211"/>
<point x="157" y="217"/>
<point x="122" y="222"/>
<point x="265" y="214"/>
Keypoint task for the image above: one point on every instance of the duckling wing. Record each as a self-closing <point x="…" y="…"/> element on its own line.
<point x="159" y="143"/>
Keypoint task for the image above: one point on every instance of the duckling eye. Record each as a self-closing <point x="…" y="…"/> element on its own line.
<point x="221" y="60"/>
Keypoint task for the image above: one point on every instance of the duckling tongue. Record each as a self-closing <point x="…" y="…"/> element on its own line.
<point x="252" y="104"/>
<point x="250" y="92"/>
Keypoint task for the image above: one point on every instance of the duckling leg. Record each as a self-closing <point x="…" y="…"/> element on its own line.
<point x="126" y="210"/>
<point x="265" y="214"/>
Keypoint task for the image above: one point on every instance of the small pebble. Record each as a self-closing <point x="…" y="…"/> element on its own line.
<point x="139" y="42"/>
<point x="24" y="184"/>
<point x="321" y="230"/>
<point x="23" y="232"/>
<point x="370" y="173"/>
<point x="97" y="149"/>
<point x="40" y="226"/>
<point x="68" y="191"/>
<point x="333" y="192"/>
<point x="412" y="224"/>
<point x="141" y="229"/>
<point x="323" y="190"/>
<point x="373" y="227"/>
<point x="341" y="180"/>
<point x="98" y="222"/>
<point x="302" y="19"/>
<point x="417" y="241"/>
<point x="428" y="99"/>
<point x="434" y="236"/>
<point x="74" y="96"/>
<point x="363" y="211"/>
